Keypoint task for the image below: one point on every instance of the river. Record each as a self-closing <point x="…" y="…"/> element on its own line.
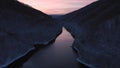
<point x="58" y="55"/>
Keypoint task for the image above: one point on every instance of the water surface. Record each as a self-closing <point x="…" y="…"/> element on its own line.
<point x="57" y="55"/>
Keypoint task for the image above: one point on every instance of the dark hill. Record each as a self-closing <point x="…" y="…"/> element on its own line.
<point x="21" y="27"/>
<point x="96" y="29"/>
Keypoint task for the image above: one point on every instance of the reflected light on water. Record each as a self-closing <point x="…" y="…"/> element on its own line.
<point x="58" y="55"/>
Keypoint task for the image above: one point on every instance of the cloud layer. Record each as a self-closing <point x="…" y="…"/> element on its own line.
<point x="57" y="6"/>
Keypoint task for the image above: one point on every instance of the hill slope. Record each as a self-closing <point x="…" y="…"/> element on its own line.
<point x="96" y="29"/>
<point x="21" y="27"/>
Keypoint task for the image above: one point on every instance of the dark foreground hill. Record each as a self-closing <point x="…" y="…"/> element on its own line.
<point x="96" y="29"/>
<point x="21" y="27"/>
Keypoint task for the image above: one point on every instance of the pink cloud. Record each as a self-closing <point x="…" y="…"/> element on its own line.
<point x="57" y="6"/>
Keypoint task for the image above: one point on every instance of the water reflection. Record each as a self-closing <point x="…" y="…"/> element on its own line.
<point x="58" y="55"/>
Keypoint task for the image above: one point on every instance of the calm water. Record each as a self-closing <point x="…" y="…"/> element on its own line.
<point x="57" y="55"/>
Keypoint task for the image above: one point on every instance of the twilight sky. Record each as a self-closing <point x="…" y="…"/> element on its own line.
<point x="57" y="6"/>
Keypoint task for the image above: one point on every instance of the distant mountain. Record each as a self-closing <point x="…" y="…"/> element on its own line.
<point x="96" y="29"/>
<point x="21" y="27"/>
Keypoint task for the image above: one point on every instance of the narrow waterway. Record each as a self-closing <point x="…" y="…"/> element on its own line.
<point x="57" y="55"/>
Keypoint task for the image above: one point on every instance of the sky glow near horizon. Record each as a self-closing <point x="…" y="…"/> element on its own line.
<point x="57" y="6"/>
